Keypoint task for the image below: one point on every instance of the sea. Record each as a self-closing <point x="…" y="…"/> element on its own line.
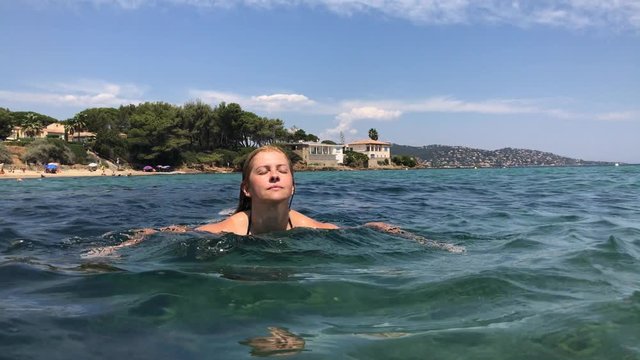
<point x="550" y="268"/>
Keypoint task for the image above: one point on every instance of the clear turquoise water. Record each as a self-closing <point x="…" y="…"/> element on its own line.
<point x="551" y="270"/>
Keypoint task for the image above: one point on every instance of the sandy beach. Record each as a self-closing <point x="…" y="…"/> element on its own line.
<point x="76" y="172"/>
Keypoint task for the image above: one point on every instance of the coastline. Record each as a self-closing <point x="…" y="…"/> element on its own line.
<point x="73" y="171"/>
<point x="32" y="174"/>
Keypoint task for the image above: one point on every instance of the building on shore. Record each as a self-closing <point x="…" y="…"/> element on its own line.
<point x="318" y="154"/>
<point x="331" y="155"/>
<point x="16" y="133"/>
<point x="53" y="130"/>
<point x="378" y="152"/>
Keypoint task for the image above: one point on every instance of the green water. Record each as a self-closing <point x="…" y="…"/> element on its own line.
<point x="550" y="269"/>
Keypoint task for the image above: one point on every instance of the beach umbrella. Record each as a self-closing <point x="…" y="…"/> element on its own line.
<point x="147" y="168"/>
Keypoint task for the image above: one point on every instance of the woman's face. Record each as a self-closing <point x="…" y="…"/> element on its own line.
<point x="270" y="178"/>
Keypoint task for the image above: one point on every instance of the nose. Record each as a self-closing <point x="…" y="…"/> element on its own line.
<point x="274" y="177"/>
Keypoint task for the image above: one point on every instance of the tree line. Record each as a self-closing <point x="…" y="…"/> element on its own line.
<point x="162" y="133"/>
<point x="159" y="133"/>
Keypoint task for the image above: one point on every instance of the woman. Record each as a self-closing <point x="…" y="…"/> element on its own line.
<point x="264" y="203"/>
<point x="264" y="206"/>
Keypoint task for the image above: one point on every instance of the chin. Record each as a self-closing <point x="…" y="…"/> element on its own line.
<point x="276" y="199"/>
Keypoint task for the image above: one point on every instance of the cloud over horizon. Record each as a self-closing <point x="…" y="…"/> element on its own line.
<point x="82" y="93"/>
<point x="269" y="103"/>
<point x="572" y="14"/>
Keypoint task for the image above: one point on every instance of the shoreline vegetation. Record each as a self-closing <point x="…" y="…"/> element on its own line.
<point x="199" y="138"/>
<point x="19" y="173"/>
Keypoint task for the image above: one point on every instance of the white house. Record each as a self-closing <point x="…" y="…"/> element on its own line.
<point x="376" y="151"/>
<point x="318" y="154"/>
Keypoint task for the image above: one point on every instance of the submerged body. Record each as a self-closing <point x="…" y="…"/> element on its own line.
<point x="242" y="224"/>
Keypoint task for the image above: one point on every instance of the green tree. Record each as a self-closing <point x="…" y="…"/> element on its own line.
<point x="267" y="131"/>
<point x="373" y="134"/>
<point x="76" y="124"/>
<point x="355" y="159"/>
<point x="31" y="125"/>
<point x="48" y="150"/>
<point x="201" y="123"/>
<point x="155" y="136"/>
<point x="110" y="145"/>
<point x="301" y="135"/>
<point x="404" y="160"/>
<point x="229" y="119"/>
<point x="5" y="155"/>
<point x="20" y="117"/>
<point x="6" y="123"/>
<point x="97" y="119"/>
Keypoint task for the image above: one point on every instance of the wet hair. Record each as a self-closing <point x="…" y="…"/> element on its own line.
<point x="244" y="201"/>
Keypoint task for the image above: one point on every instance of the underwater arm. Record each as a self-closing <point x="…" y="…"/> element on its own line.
<point x="396" y="230"/>
<point x="137" y="237"/>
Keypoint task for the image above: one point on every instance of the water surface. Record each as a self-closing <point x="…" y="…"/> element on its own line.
<point x="550" y="272"/>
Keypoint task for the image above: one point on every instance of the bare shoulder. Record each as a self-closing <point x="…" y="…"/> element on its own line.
<point x="236" y="223"/>
<point x="301" y="220"/>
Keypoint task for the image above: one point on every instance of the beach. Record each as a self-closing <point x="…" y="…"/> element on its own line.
<point x="76" y="172"/>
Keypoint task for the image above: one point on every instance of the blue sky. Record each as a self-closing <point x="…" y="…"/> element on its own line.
<point x="551" y="75"/>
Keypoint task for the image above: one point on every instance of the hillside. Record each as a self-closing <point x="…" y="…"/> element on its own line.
<point x="443" y="156"/>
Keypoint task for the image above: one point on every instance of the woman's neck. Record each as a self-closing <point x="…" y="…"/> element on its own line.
<point x="269" y="217"/>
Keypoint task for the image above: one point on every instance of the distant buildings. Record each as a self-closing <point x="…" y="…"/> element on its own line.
<point x="16" y="133"/>
<point x="53" y="130"/>
<point x="318" y="154"/>
<point x="332" y="155"/>
<point x="378" y="152"/>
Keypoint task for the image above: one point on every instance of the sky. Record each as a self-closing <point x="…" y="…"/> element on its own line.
<point x="561" y="76"/>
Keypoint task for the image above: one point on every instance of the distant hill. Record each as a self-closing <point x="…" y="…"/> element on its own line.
<point x="444" y="156"/>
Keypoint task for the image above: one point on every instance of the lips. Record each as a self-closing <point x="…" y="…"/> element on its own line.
<point x="275" y="187"/>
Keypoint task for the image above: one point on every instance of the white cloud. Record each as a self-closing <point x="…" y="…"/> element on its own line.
<point x="83" y="93"/>
<point x="347" y="118"/>
<point x="573" y="14"/>
<point x="619" y="116"/>
<point x="368" y="112"/>
<point x="216" y="97"/>
<point x="449" y="104"/>
<point x="268" y="103"/>
<point x="376" y="110"/>
<point x="280" y="102"/>
<point x="349" y="112"/>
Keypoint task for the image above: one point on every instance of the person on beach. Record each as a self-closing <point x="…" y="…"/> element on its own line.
<point x="264" y="205"/>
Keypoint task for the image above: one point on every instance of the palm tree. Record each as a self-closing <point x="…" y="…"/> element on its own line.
<point x="76" y="124"/>
<point x="373" y="134"/>
<point x="31" y="126"/>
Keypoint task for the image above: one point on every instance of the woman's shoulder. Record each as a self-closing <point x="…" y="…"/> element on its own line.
<point x="300" y="220"/>
<point x="236" y="223"/>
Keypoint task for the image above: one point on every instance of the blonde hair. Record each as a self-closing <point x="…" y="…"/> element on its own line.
<point x="244" y="201"/>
